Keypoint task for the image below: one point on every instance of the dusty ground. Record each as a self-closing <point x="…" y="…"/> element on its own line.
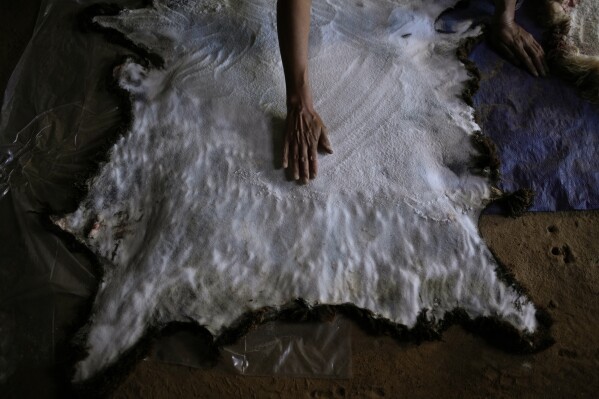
<point x="554" y="255"/>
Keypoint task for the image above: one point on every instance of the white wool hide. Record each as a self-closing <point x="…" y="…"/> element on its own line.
<point x="193" y="219"/>
<point x="584" y="27"/>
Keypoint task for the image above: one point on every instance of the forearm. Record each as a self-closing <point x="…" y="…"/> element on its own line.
<point x="293" y="27"/>
<point x="505" y="11"/>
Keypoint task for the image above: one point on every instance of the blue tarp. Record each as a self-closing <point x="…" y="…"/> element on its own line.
<point x="547" y="136"/>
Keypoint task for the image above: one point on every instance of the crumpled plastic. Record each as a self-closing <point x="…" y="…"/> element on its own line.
<point x="60" y="115"/>
<point x="320" y="349"/>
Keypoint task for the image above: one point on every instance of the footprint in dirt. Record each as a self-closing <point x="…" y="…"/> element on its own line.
<point x="564" y="253"/>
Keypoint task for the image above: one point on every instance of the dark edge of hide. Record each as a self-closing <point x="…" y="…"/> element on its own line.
<point x="486" y="161"/>
<point x="123" y="101"/>
<point x="496" y="332"/>
<point x="499" y="333"/>
<point x="563" y="56"/>
<point x="78" y="329"/>
<point x="74" y="349"/>
<point x="515" y="203"/>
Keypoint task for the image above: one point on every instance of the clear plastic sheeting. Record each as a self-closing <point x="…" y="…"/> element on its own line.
<point x="58" y="112"/>
<point x="59" y="117"/>
<point x="274" y="348"/>
<point x="322" y="349"/>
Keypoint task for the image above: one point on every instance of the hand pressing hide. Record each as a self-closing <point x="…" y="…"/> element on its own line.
<point x="305" y="134"/>
<point x="519" y="47"/>
<point x="513" y="42"/>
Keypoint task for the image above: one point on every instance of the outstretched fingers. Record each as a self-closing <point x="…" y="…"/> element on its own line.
<point x="313" y="161"/>
<point x="295" y="160"/>
<point x="525" y="58"/>
<point x="535" y="54"/>
<point x="286" y="145"/>
<point x="303" y="142"/>
<point x="304" y="134"/>
<point x="519" y="47"/>
<point x="508" y="54"/>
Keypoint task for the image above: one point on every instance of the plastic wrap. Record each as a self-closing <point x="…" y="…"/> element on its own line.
<point x="59" y="118"/>
<point x="274" y="348"/>
<point x="59" y="112"/>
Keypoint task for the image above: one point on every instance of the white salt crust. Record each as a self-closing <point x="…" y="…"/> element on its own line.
<point x="193" y="221"/>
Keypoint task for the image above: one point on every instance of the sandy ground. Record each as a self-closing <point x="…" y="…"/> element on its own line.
<point x="554" y="255"/>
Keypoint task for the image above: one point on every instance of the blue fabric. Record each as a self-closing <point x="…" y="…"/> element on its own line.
<point x="547" y="136"/>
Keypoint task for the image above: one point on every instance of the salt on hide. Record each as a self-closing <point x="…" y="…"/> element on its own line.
<point x="192" y="220"/>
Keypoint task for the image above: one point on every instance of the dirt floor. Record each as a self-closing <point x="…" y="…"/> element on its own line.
<point x="554" y="255"/>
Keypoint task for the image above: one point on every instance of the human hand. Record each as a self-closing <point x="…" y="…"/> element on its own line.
<point x="518" y="46"/>
<point x="305" y="134"/>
